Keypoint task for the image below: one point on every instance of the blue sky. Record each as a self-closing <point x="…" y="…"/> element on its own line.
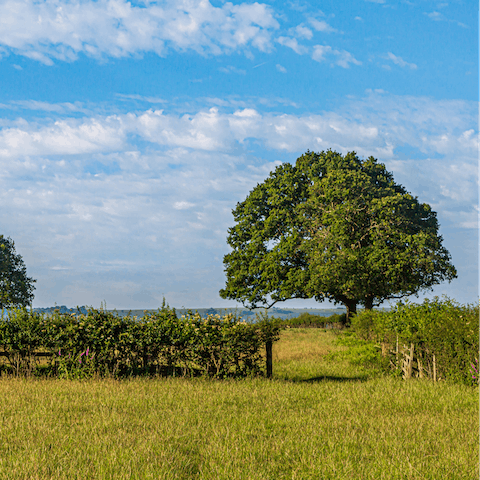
<point x="130" y="130"/>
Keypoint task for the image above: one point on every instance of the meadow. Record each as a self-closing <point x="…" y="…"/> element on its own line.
<point x="319" y="417"/>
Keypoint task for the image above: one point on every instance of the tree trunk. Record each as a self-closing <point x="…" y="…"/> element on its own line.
<point x="351" y="310"/>
<point x="369" y="303"/>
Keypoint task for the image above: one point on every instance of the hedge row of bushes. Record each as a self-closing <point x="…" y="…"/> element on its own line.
<point x="308" y="320"/>
<point x="102" y="343"/>
<point x="438" y="339"/>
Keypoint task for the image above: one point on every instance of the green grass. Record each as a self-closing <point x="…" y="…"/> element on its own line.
<point x="317" y="419"/>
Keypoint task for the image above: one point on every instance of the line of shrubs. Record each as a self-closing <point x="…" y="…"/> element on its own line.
<point x="101" y="343"/>
<point x="307" y="320"/>
<point x="437" y="339"/>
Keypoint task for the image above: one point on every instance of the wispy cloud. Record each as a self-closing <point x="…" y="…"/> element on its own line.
<point x="140" y="98"/>
<point x="321" y="26"/>
<point x="59" y="108"/>
<point x="342" y="58"/>
<point x="183" y="205"/>
<point x="400" y="61"/>
<point x="293" y="44"/>
<point x="232" y="69"/>
<point x="303" y="31"/>
<point x="437" y="16"/>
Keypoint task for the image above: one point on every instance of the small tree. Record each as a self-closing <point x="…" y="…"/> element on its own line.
<point x="333" y="227"/>
<point x="16" y="289"/>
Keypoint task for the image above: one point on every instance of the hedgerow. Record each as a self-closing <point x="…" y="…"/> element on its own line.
<point x="308" y="320"/>
<point x="104" y="344"/>
<point x="438" y="339"/>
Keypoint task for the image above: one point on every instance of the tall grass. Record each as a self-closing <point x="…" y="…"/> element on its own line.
<point x="317" y="419"/>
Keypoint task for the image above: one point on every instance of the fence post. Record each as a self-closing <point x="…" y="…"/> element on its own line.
<point x="268" y="348"/>
<point x="407" y="362"/>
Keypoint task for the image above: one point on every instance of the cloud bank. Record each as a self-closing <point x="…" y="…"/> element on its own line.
<point x="62" y="30"/>
<point x="84" y="194"/>
<point x="57" y="29"/>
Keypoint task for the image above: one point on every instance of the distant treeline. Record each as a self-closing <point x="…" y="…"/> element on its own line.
<point x="62" y="309"/>
<point x="248" y="315"/>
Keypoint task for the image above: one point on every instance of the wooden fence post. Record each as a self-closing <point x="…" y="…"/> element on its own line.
<point x="407" y="363"/>
<point x="268" y="348"/>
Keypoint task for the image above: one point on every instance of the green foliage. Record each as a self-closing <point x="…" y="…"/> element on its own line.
<point x="102" y="343"/>
<point x="16" y="289"/>
<point x="357" y="351"/>
<point x="79" y="366"/>
<point x="307" y="320"/>
<point x="441" y="332"/>
<point x="22" y="333"/>
<point x="334" y="227"/>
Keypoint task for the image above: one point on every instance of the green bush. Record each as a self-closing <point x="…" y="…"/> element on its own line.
<point x="21" y="334"/>
<point x="438" y="338"/>
<point x="102" y="343"/>
<point x="307" y="320"/>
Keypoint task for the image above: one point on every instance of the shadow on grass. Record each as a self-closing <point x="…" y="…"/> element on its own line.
<point x="327" y="378"/>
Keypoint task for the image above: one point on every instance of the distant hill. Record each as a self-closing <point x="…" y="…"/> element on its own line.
<point x="248" y="315"/>
<point x="244" y="314"/>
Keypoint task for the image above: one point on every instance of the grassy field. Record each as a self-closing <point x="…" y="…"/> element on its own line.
<point x="317" y="419"/>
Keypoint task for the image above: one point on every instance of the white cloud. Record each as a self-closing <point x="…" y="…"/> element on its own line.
<point x="60" y="108"/>
<point x="140" y="98"/>
<point x="437" y="16"/>
<point x="293" y="44"/>
<point x="340" y="57"/>
<point x="304" y="32"/>
<point x="183" y="205"/>
<point x="400" y="61"/>
<point x="321" y="26"/>
<point x="63" y="137"/>
<point x="379" y="122"/>
<point x="280" y="68"/>
<point x="232" y="69"/>
<point x="60" y="29"/>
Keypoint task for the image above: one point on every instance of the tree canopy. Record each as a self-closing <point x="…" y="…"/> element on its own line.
<point x="16" y="289"/>
<point x="333" y="227"/>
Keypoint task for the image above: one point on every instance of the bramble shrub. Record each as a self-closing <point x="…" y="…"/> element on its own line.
<point x="443" y="334"/>
<point x="102" y="343"/>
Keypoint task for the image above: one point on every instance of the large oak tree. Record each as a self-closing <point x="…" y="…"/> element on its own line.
<point x="333" y="227"/>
